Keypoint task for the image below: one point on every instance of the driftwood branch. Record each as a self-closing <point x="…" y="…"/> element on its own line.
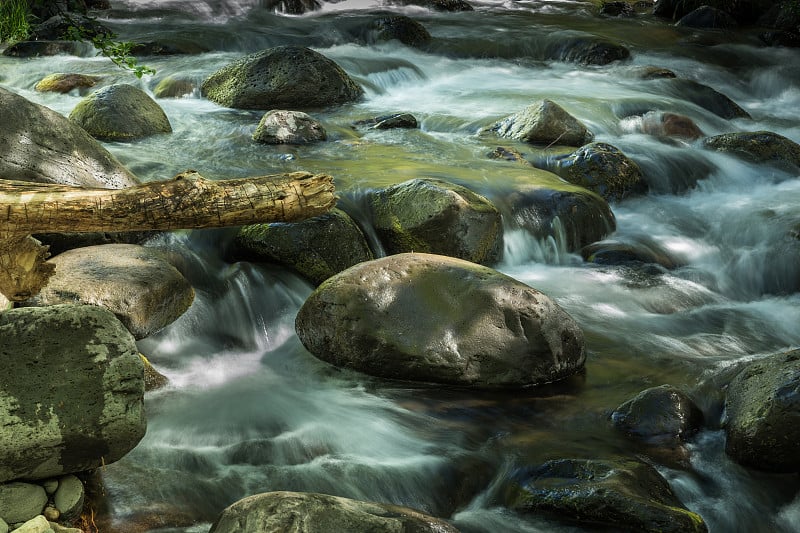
<point x="186" y="201"/>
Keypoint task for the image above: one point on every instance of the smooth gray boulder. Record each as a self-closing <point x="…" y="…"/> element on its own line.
<point x="284" y="77"/>
<point x="430" y="318"/>
<point x="659" y="415"/>
<point x="69" y="497"/>
<point x="20" y="502"/>
<point x="762" y="409"/>
<point x="758" y="147"/>
<point x="621" y="494"/>
<point x="120" y="112"/>
<point x="289" y="127"/>
<point x="71" y="391"/>
<point x="134" y="282"/>
<point x="544" y="122"/>
<point x="317" y="248"/>
<point x="434" y="216"/>
<point x="308" y="512"/>
<point x="42" y="146"/>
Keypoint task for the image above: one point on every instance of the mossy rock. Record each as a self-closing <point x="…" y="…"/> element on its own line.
<point x="758" y="147"/>
<point x="120" y="113"/>
<point x="280" y="126"/>
<point x="434" y="216"/>
<point x="153" y="379"/>
<point x="66" y="82"/>
<point x="316" y="248"/>
<point x="284" y="77"/>
<point x="171" y="87"/>
<point x="620" y="494"/>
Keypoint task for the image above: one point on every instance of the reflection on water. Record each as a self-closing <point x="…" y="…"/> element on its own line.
<point x="249" y="410"/>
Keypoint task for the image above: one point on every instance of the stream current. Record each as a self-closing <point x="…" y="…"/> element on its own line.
<point x="249" y="410"/>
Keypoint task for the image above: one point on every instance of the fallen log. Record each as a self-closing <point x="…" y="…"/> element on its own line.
<point x="186" y="201"/>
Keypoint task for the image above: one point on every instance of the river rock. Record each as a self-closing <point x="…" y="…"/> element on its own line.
<point x="434" y="216"/>
<point x="762" y="409"/>
<point x="550" y="207"/>
<point x="153" y="379"/>
<point x="705" y="97"/>
<point x="602" y="168"/>
<point x="281" y="77"/>
<point x="440" y="5"/>
<point x="71" y="391"/>
<point x="38" y="524"/>
<point x="707" y="17"/>
<point x="404" y="29"/>
<point x="41" y="145"/>
<point x="758" y="147"/>
<point x="20" y="502"/>
<point x="171" y="87"/>
<point x="650" y="72"/>
<point x="429" y="318"/>
<point x="782" y="16"/>
<point x="387" y="122"/>
<point x="661" y="124"/>
<point x="66" y="82"/>
<point x="61" y="242"/>
<point x="120" y="113"/>
<point x="291" y="7"/>
<point x="317" y="248"/>
<point x="4" y="303"/>
<point x="659" y="415"/>
<point x="135" y="283"/>
<point x="586" y="50"/>
<point x="619" y="494"/>
<point x="616" y="9"/>
<point x="308" y="512"/>
<point x="544" y="122"/>
<point x="289" y="127"/>
<point x="69" y="497"/>
<point x="59" y="26"/>
<point x="780" y="38"/>
<point x="641" y="250"/>
<point x="25" y="49"/>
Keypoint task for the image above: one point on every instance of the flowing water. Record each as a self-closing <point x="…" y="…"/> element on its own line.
<point x="249" y="410"/>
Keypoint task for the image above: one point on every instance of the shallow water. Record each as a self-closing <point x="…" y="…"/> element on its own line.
<point x="249" y="410"/>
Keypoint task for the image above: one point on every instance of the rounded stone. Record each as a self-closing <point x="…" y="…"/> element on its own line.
<point x="662" y="414"/>
<point x="120" y="113"/>
<point x="661" y="124"/>
<point x="430" y="318"/>
<point x="406" y="30"/>
<point x="20" y="502"/>
<point x="171" y="87"/>
<point x="544" y="122"/>
<point x="281" y="77"/>
<point x="758" y="147"/>
<point x="69" y="497"/>
<point x="434" y="216"/>
<point x="289" y="127"/>
<point x="66" y="82"/>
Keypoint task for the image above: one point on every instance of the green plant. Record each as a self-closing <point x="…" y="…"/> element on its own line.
<point x="14" y="20"/>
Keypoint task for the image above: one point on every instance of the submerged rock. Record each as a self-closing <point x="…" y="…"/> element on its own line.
<point x="624" y="494"/>
<point x="659" y="415"/>
<point x="42" y="146"/>
<point x="758" y="147"/>
<point x="707" y="17"/>
<point x="66" y="82"/>
<point x="120" y="113"/>
<point x="429" y="318"/>
<point x="71" y="391"/>
<point x="316" y="248"/>
<point x="136" y="283"/>
<point x="406" y="30"/>
<point x="660" y="124"/>
<point x="762" y="409"/>
<point x="544" y="122"/>
<point x="434" y="216"/>
<point x="308" y="512"/>
<point x="616" y="9"/>
<point x="387" y="122"/>
<point x="282" y="77"/>
<point x="650" y="72"/>
<point x="705" y="97"/>
<point x="586" y="50"/>
<point x="171" y="87"/>
<point x="602" y="168"/>
<point x="641" y="250"/>
<point x="289" y="127"/>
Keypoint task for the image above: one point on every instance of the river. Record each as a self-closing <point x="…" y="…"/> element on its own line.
<point x="249" y="410"/>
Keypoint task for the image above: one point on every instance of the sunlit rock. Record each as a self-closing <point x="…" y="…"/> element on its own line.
<point x="291" y="77"/>
<point x="758" y="147"/>
<point x="120" y="113"/>
<point x="66" y="82"/>
<point x="71" y="391"/>
<point x="289" y="127"/>
<point x="434" y="216"/>
<point x="278" y="512"/>
<point x="544" y="122"/>
<point x="171" y="87"/>
<point x="620" y="494"/>
<point x="317" y="248"/>
<point x="430" y="318"/>
<point x="41" y="145"/>
<point x="136" y="283"/>
<point x="602" y="168"/>
<point x="763" y="414"/>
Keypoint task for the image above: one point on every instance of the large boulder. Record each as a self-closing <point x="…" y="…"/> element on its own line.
<point x="136" y="283"/>
<point x="308" y="512"/>
<point x="120" y="113"/>
<point x="434" y="216"/>
<point x="544" y="122"/>
<point x="317" y="248"/>
<point x="279" y="126"/>
<point x="659" y="415"/>
<point x="290" y="77"/>
<point x="620" y="494"/>
<point x="758" y="147"/>
<point x="71" y="391"/>
<point x="41" y="145"/>
<point x="429" y="318"/>
<point x="602" y="168"/>
<point x="762" y="409"/>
